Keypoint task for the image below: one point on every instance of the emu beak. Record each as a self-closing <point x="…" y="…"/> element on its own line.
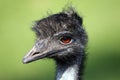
<point x="28" y="57"/>
<point x="37" y="52"/>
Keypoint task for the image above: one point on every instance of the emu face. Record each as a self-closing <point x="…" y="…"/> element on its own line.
<point x="59" y="35"/>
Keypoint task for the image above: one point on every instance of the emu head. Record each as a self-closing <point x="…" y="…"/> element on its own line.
<point x="59" y="35"/>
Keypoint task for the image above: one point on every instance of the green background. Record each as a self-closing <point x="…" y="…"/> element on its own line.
<point x="102" y="23"/>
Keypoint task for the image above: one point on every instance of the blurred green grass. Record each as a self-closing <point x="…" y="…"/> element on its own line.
<point x="101" y="20"/>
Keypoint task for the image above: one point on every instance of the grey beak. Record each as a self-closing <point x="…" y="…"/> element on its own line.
<point x="33" y="55"/>
<point x="38" y="51"/>
<point x="29" y="56"/>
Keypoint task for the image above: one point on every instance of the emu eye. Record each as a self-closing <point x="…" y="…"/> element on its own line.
<point x="66" y="39"/>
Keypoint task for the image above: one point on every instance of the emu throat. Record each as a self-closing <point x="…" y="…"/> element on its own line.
<point x="70" y="68"/>
<point x="70" y="73"/>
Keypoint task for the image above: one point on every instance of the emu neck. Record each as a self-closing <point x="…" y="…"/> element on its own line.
<point x="70" y="73"/>
<point x="69" y="68"/>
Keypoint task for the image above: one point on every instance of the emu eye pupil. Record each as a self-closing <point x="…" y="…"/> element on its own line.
<point x="66" y="39"/>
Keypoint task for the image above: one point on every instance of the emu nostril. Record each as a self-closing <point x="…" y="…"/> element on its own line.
<point x="36" y="53"/>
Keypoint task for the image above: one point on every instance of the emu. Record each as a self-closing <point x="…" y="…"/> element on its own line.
<point x="63" y="38"/>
